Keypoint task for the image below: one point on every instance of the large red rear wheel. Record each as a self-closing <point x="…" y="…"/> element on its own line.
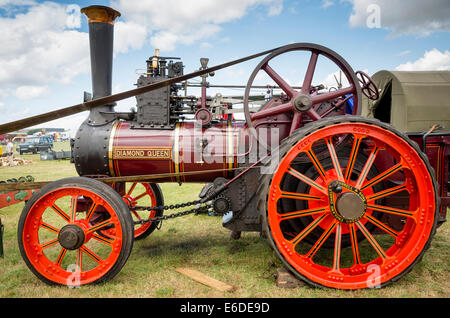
<point x="350" y="231"/>
<point x="58" y="232"/>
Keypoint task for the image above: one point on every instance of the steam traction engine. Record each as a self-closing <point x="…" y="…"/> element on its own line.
<point x="345" y="201"/>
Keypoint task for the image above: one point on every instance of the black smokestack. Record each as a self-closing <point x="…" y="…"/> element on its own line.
<point x="90" y="148"/>
<point x="101" y="38"/>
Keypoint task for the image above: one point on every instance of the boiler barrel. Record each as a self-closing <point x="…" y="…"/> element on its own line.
<point x="187" y="148"/>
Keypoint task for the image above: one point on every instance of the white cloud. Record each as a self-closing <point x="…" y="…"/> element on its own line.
<point x="326" y="4"/>
<point x="29" y="92"/>
<point x="128" y="35"/>
<point x="275" y="8"/>
<point x="404" y="17"/>
<point x="433" y="60"/>
<point x="173" y="22"/>
<point x="40" y="46"/>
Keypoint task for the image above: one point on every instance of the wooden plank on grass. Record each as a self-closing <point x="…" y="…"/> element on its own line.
<point x="204" y="279"/>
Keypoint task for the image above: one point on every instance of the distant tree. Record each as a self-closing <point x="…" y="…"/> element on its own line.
<point x="33" y="131"/>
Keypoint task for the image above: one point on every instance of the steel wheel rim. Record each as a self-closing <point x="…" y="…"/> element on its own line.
<point x="50" y="267"/>
<point x="409" y="242"/>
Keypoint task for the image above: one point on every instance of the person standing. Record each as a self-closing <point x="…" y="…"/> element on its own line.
<point x="10" y="151"/>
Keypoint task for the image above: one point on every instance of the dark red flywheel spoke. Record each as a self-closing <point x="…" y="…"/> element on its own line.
<point x="320" y="98"/>
<point x="272" y="111"/>
<point x="296" y="122"/>
<point x="310" y="73"/>
<point x="279" y="80"/>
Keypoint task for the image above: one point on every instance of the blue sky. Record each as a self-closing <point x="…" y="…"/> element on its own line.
<point x="44" y="58"/>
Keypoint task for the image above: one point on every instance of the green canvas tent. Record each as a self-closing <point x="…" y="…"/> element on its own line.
<point x="411" y="101"/>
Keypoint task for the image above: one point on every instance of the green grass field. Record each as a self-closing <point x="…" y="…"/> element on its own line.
<point x="198" y="242"/>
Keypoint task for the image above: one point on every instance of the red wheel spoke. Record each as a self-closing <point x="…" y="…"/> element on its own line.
<point x="354" y="241"/>
<point x="60" y="212"/>
<point x="103" y="239"/>
<point x="307" y="230"/>
<point x="390" y="210"/>
<point x="49" y="227"/>
<point x="320" y="98"/>
<point x="352" y="158"/>
<point x="383" y="176"/>
<point x="299" y="196"/>
<point x="91" y="211"/>
<point x="50" y="243"/>
<point x="98" y="226"/>
<point x="73" y="208"/>
<point x="367" y="167"/>
<point x="61" y="255"/>
<point x="371" y="240"/>
<point x="79" y="260"/>
<point x="306" y="180"/>
<point x="279" y="80"/>
<point x="301" y="213"/>
<point x="316" y="162"/>
<point x="272" y="111"/>
<point x="91" y="254"/>
<point x="385" y="193"/>
<point x="131" y="188"/>
<point x="337" y="248"/>
<point x="137" y="215"/>
<point x="382" y="226"/>
<point x="321" y="240"/>
<point x="334" y="159"/>
<point x="310" y="73"/>
<point x="141" y="196"/>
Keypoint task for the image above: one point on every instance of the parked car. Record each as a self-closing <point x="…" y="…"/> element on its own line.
<point x="35" y="145"/>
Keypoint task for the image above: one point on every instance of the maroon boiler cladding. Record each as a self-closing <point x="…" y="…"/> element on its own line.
<point x="186" y="148"/>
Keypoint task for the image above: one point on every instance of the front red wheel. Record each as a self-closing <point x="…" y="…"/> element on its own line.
<point x="367" y="213"/>
<point x="58" y="232"/>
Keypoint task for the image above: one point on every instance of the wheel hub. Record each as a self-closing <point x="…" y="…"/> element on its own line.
<point x="71" y="237"/>
<point x="302" y="103"/>
<point x="350" y="205"/>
